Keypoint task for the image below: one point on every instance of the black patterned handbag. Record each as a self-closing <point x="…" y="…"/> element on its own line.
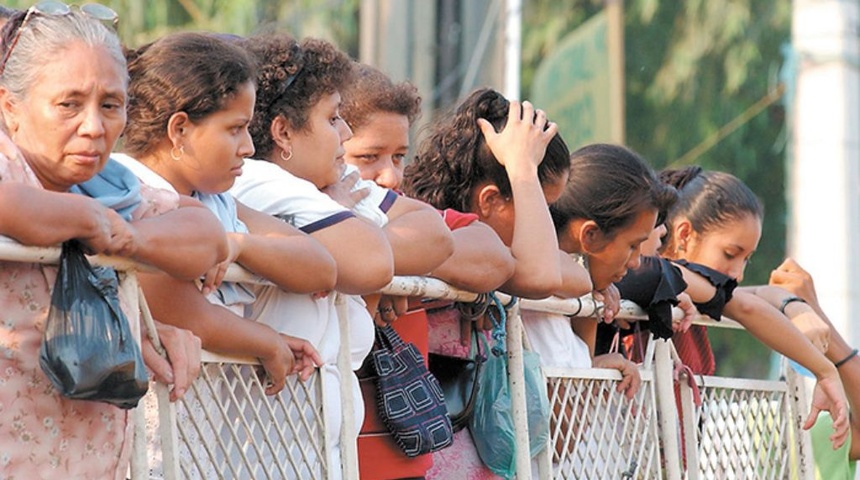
<point x="409" y="398"/>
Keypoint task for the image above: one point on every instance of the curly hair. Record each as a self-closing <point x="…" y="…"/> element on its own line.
<point x="708" y="199"/>
<point x="292" y="77"/>
<point x="187" y="72"/>
<point x="373" y="91"/>
<point x="455" y="158"/>
<point x="610" y="185"/>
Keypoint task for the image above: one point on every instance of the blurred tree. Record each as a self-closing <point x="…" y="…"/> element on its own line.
<point x="142" y="22"/>
<point x="691" y="67"/>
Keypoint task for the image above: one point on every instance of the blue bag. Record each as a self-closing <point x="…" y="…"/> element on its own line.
<point x="492" y="424"/>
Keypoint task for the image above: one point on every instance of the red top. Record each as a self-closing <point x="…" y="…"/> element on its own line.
<point x="455" y="219"/>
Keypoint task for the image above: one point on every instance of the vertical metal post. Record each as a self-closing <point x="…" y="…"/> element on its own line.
<point x="139" y="465"/>
<point x="668" y="412"/>
<point x="348" y="431"/>
<point x="168" y="430"/>
<point x="798" y="404"/>
<point x="688" y="420"/>
<point x="513" y="48"/>
<point x="615" y="47"/>
<point x="516" y="378"/>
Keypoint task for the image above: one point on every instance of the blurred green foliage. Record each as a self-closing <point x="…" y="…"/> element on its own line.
<point x="144" y="21"/>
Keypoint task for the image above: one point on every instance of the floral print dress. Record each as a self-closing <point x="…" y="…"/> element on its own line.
<point x="42" y="434"/>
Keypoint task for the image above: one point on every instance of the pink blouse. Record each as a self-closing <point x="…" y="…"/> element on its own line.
<point x="42" y="434"/>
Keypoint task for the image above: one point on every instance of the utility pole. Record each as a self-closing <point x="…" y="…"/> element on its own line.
<point x="824" y="168"/>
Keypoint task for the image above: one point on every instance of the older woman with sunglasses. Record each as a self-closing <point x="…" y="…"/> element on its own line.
<point x="63" y="95"/>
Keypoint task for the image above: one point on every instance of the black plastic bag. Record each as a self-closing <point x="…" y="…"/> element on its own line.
<point x="88" y="351"/>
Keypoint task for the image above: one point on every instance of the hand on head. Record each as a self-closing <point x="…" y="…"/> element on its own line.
<point x="523" y="140"/>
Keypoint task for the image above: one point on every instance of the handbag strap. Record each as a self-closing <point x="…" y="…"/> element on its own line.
<point x="389" y="339"/>
<point x="499" y="334"/>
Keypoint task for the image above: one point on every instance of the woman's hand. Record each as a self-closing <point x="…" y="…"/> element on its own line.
<point x="814" y="328"/>
<point x="830" y="396"/>
<point x="342" y="191"/>
<point x="792" y="277"/>
<point x="213" y="278"/>
<point x="182" y="364"/>
<point x="611" y="299"/>
<point x="389" y="309"/>
<point x="108" y="232"/>
<point x="630" y="378"/>
<point x="523" y="140"/>
<point x="685" y="303"/>
<point x="306" y="356"/>
<point x="279" y="363"/>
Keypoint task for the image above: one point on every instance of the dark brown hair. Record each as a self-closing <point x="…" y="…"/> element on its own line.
<point x="610" y="185"/>
<point x="455" y="158"/>
<point x="373" y="91"/>
<point x="186" y="72"/>
<point x="709" y="199"/>
<point x="292" y="77"/>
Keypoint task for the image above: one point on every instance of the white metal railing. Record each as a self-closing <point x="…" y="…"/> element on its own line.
<point x="596" y="433"/>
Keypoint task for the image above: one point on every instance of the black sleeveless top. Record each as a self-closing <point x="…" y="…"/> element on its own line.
<point x="654" y="286"/>
<point x="724" y="284"/>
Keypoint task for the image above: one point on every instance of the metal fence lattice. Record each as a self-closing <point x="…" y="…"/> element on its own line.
<point x="744" y="429"/>
<point x="596" y="432"/>
<point x="229" y="428"/>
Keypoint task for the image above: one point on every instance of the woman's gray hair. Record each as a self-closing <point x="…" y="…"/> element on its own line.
<point x="45" y="36"/>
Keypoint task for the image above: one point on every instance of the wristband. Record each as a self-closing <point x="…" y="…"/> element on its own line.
<point x="845" y="360"/>
<point x="788" y="300"/>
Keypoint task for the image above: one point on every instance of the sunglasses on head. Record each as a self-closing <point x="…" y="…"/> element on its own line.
<point x="58" y="9"/>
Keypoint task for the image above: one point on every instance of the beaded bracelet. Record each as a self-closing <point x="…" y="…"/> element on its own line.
<point x="845" y="360"/>
<point x="788" y="300"/>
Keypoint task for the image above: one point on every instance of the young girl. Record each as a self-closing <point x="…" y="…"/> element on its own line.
<point x="298" y="131"/>
<point x="380" y="114"/>
<point x="491" y="157"/>
<point x="192" y="98"/>
<point x="604" y="215"/>
<point x="193" y="139"/>
<point x="712" y="231"/>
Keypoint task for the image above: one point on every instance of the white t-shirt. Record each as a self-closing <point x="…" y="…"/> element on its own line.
<point x="551" y="335"/>
<point x="270" y="189"/>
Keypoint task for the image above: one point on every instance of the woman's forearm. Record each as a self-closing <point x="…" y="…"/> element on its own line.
<point x="184" y="243"/>
<point x="773" y="329"/>
<point x="534" y="245"/>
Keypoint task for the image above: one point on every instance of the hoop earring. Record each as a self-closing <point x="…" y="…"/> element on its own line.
<point x="288" y="157"/>
<point x="176" y="157"/>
